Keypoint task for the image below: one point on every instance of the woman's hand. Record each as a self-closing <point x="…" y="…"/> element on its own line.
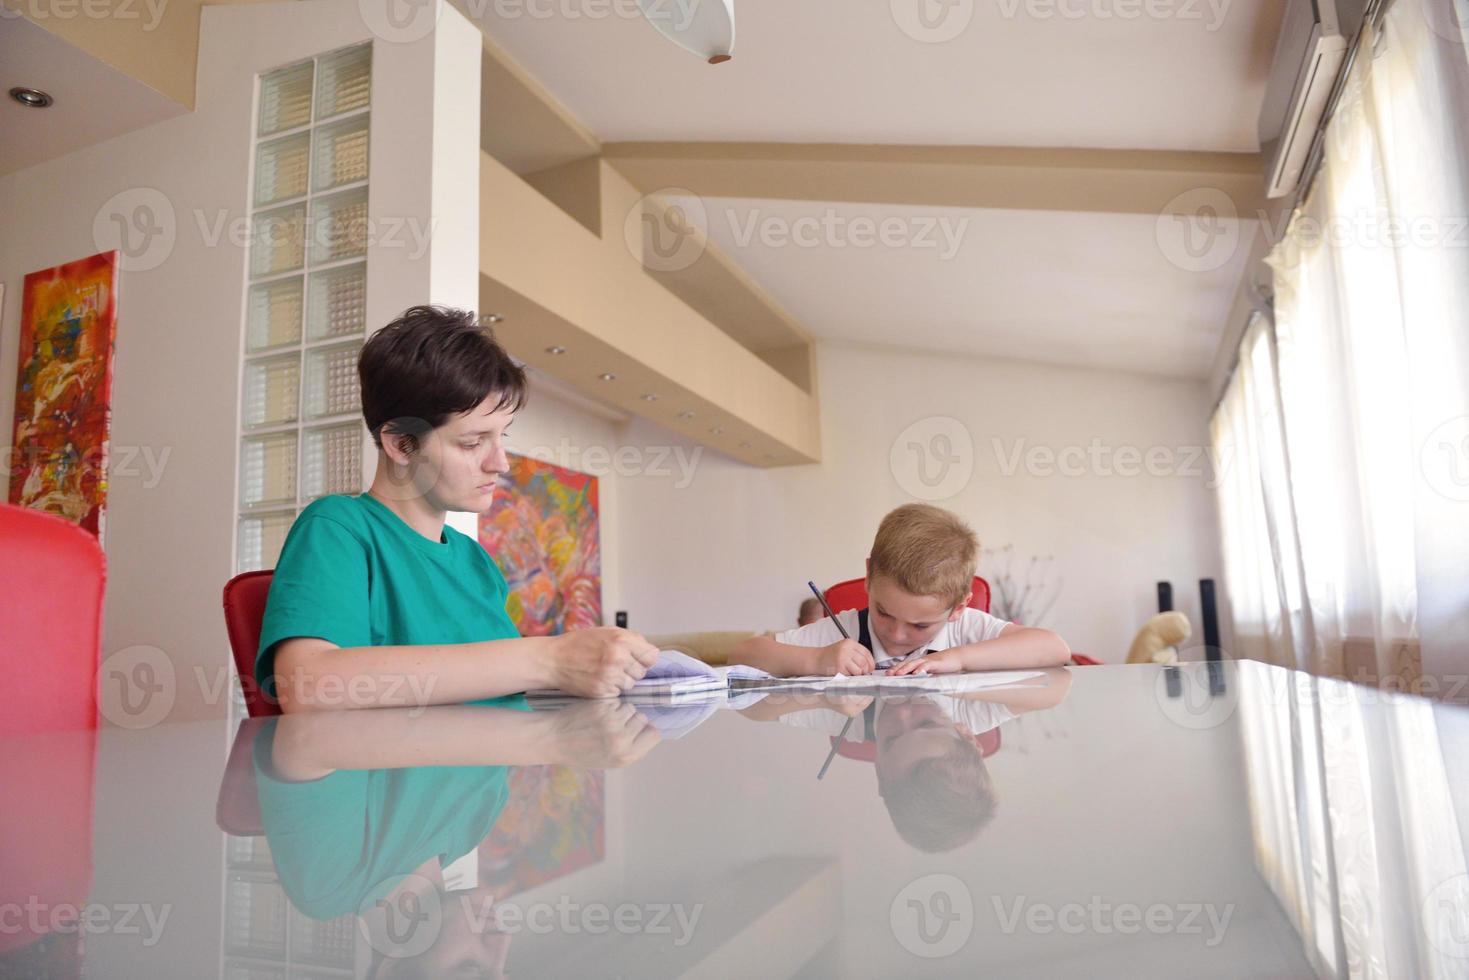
<point x="601" y="662"/>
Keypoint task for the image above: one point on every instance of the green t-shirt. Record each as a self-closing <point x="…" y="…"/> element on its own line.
<point x="341" y="842"/>
<point x="353" y="573"/>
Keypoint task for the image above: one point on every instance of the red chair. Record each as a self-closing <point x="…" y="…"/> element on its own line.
<point x="244" y="612"/>
<point x="53" y="578"/>
<point x="852" y="594"/>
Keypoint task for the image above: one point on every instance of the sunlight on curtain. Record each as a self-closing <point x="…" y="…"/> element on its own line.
<point x="1346" y="568"/>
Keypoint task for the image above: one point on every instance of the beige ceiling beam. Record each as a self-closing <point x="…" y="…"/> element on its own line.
<point x="1113" y="181"/>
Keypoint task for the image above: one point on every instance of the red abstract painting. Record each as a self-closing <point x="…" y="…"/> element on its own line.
<point x="542" y="531"/>
<point x="63" y="397"/>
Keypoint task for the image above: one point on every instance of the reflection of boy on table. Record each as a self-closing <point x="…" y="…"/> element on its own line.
<point x="381" y="813"/>
<point x="928" y="749"/>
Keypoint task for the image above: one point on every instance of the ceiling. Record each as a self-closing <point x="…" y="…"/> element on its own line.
<point x="94" y="102"/>
<point x="835" y="71"/>
<point x="1092" y="289"/>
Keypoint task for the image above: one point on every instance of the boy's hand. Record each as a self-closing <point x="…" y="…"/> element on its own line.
<point x="943" y="662"/>
<point x="845" y="657"/>
<point x="601" y="662"/>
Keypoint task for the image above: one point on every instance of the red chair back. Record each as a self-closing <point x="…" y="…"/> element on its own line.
<point x="852" y="594"/>
<point x="53" y="579"/>
<point x="244" y="612"/>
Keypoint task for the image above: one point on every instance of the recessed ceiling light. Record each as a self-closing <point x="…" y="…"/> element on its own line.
<point x="31" y="98"/>
<point x="686" y="414"/>
<point x="650" y="397"/>
<point x="555" y="349"/>
<point x="718" y="430"/>
<point x="607" y="376"/>
<point x="490" y="318"/>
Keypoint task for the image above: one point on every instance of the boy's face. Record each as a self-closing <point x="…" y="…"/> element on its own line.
<point x="465" y="456"/>
<point x="908" y="732"/>
<point x="904" y="622"/>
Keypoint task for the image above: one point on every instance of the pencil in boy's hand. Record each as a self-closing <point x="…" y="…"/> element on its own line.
<point x="822" y="599"/>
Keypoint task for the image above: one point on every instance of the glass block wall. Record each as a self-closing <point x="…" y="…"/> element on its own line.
<point x="301" y="430"/>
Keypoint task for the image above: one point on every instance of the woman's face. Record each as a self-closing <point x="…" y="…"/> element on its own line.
<point x="459" y="462"/>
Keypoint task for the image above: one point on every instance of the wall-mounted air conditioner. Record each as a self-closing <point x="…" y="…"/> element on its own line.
<point x="1314" y="38"/>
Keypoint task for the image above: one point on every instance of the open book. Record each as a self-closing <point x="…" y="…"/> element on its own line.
<point x="678" y="677"/>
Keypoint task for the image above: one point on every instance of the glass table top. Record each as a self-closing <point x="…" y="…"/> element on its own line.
<point x="1225" y="820"/>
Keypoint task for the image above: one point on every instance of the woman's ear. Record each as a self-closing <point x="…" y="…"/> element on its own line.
<point x="398" y="446"/>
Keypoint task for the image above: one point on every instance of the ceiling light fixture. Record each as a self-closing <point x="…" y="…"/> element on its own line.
<point x="686" y="414"/>
<point x="706" y="28"/>
<point x="650" y="397"/>
<point x="555" y="349"/>
<point x="607" y="376"/>
<point x="489" y="319"/>
<point x="31" y="98"/>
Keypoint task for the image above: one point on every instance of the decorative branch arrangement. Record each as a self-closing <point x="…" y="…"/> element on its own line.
<point x="1025" y="598"/>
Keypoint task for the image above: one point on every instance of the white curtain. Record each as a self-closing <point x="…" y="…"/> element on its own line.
<point x="1347" y="542"/>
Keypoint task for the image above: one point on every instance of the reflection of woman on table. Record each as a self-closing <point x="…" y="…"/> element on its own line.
<point x="381" y="813"/>
<point x="928" y="749"/>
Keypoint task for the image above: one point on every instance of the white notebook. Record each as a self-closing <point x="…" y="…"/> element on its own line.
<point x="677" y="675"/>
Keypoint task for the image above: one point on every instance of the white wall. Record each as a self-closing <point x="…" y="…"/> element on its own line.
<point x="734" y="547"/>
<point x="170" y="526"/>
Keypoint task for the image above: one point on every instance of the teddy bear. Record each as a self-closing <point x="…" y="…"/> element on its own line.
<point x="1157" y="642"/>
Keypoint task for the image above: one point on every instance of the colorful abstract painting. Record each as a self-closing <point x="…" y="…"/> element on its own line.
<point x="554" y="823"/>
<point x="543" y="532"/>
<point x="63" y="397"/>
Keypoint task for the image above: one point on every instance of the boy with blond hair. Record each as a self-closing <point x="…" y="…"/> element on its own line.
<point x="919" y="581"/>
